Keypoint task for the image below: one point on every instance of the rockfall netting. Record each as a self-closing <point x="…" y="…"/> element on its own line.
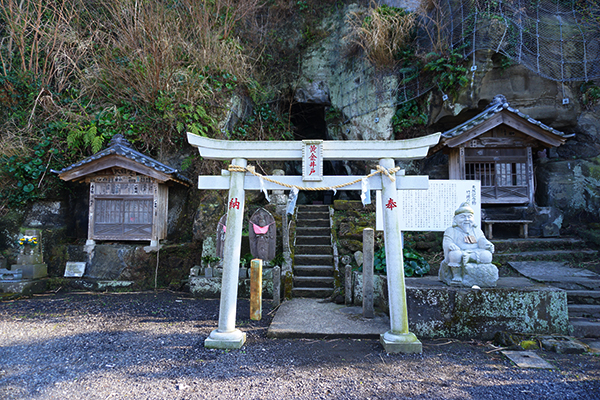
<point x="557" y="39"/>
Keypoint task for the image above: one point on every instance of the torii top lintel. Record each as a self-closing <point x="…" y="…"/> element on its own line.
<point x="408" y="149"/>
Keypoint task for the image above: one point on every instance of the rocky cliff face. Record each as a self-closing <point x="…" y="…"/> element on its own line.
<point x="359" y="95"/>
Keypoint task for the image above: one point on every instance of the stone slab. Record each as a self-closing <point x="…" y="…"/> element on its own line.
<point x="23" y="287"/>
<point x="74" y="269"/>
<point x="309" y="318"/>
<point x="552" y="271"/>
<point x="527" y="359"/>
<point x="105" y="285"/>
<point x="593" y="344"/>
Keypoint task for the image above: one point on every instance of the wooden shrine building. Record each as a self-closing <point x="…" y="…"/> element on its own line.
<point x="128" y="193"/>
<point x="496" y="147"/>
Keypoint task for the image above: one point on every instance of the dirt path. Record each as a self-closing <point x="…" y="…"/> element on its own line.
<point x="150" y="346"/>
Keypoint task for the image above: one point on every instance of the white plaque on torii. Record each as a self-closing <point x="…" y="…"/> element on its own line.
<point x="240" y="177"/>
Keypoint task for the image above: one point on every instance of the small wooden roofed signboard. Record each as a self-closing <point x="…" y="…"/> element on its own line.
<point x="128" y="193"/>
<point x="496" y="147"/>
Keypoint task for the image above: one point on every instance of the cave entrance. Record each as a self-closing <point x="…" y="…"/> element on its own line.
<point x="309" y="123"/>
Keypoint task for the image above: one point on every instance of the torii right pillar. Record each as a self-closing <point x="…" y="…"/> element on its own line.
<point x="398" y="339"/>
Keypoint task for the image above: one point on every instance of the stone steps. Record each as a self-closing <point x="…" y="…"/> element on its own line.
<point x="313" y="259"/>
<point x="313" y="281"/>
<point x="537" y="244"/>
<point x="311" y="292"/>
<point x="547" y="255"/>
<point x="584" y="310"/>
<point x="583" y="296"/>
<point x="585" y="327"/>
<point x="313" y="240"/>
<point x="313" y="270"/>
<point x="312" y="231"/>
<point x="313" y="255"/>
<point x="321" y="249"/>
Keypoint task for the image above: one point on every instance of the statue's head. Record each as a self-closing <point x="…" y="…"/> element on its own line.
<point x="464" y="216"/>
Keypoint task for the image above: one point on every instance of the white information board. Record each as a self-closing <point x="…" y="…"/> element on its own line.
<point x="433" y="209"/>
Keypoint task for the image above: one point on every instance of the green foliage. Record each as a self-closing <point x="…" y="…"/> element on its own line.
<point x="23" y="173"/>
<point x="449" y="71"/>
<point x="414" y="263"/>
<point x="264" y="124"/>
<point x="83" y="138"/>
<point x="590" y="94"/>
<point x="302" y="5"/>
<point x="245" y="260"/>
<point x="409" y="114"/>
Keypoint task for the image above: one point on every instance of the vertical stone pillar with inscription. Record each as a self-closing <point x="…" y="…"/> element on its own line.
<point x="226" y="336"/>
<point x="398" y="339"/>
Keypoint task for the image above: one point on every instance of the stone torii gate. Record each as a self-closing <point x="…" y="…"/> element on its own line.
<point x="241" y="177"/>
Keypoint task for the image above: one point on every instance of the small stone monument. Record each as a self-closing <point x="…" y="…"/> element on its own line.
<point x="29" y="259"/>
<point x="262" y="235"/>
<point x="221" y="228"/>
<point x="467" y="253"/>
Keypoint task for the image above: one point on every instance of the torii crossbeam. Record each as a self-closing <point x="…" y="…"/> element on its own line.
<point x="241" y="177"/>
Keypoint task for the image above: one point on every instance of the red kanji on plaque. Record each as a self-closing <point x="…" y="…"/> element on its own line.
<point x="391" y="204"/>
<point x="234" y="203"/>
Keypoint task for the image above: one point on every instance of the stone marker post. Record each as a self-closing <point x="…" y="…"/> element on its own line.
<point x="367" y="267"/>
<point x="398" y="339"/>
<point x="348" y="284"/>
<point x="256" y="289"/>
<point x="276" y="286"/>
<point x="226" y="336"/>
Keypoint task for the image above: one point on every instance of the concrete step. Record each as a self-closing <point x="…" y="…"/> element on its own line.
<point x="312" y="223"/>
<point x="531" y="244"/>
<point x="313" y="208"/>
<point x="313" y="240"/>
<point x="313" y="270"/>
<point x="584" y="310"/>
<point x="313" y="259"/>
<point x="312" y="292"/>
<point x="547" y="255"/>
<point x="313" y="282"/>
<point x="585" y="327"/>
<point x="314" y="249"/>
<point x="583" y="296"/>
<point x="302" y="215"/>
<point x="313" y="231"/>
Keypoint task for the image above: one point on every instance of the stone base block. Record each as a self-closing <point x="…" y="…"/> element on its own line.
<point x="23" y="287"/>
<point x="482" y="275"/>
<point x="515" y="305"/>
<point x="31" y="271"/>
<point x="225" y="340"/>
<point x="406" y="343"/>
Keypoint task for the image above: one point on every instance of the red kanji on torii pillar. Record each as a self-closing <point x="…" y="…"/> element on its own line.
<point x="240" y="177"/>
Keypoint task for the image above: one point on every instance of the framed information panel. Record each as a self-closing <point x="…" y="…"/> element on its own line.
<point x="433" y="209"/>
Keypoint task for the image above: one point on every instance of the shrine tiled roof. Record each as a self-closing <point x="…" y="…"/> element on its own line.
<point x="121" y="147"/>
<point x="498" y="104"/>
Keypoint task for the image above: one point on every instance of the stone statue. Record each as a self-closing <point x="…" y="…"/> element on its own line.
<point x="262" y="234"/>
<point x="467" y="253"/>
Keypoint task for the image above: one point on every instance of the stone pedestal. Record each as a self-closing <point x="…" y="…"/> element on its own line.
<point x="31" y="271"/>
<point x="30" y="260"/>
<point x="404" y="343"/>
<point x="469" y="275"/>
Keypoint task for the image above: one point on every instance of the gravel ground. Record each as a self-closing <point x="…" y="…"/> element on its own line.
<point x="150" y="346"/>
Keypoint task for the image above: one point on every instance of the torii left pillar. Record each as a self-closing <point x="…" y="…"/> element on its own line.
<point x="226" y="336"/>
